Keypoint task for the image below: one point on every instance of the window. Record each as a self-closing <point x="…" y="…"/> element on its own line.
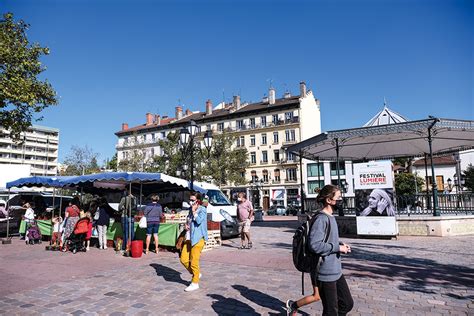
<point x="275" y="137"/>
<point x="152" y="152"/>
<point x="264" y="156"/>
<point x="240" y="124"/>
<point x="241" y="141"/>
<point x="163" y="135"/>
<point x="220" y="127"/>
<point x="252" y="123"/>
<point x="263" y="121"/>
<point x="124" y="156"/>
<point x="315" y="170"/>
<point x="291" y="174"/>
<point x="253" y="173"/>
<point x="276" y="174"/>
<point x="153" y="137"/>
<point x="290" y="135"/>
<point x="208" y="127"/>
<point x="314" y="186"/>
<point x="276" y="155"/>
<point x="265" y="175"/>
<point x="253" y="157"/>
<point x="242" y="174"/>
<point x="290" y="156"/>
<point x="264" y="139"/>
<point x="275" y="119"/>
<point x="342" y="170"/>
<point x="288" y="116"/>
<point x="252" y="140"/>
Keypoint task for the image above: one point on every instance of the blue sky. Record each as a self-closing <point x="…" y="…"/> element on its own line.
<point x="113" y="61"/>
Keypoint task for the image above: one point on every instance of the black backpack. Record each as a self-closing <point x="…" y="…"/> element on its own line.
<point x="304" y="259"/>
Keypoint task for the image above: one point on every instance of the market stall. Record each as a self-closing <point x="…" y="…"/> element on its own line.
<point x="167" y="234"/>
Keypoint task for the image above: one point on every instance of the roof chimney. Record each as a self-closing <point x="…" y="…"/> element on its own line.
<point x="236" y="102"/>
<point x="271" y="96"/>
<point x="157" y="119"/>
<point x="302" y="89"/>
<point x="265" y="99"/>
<point x="149" y="119"/>
<point x="124" y="126"/>
<point x="188" y="112"/>
<point x="178" y="112"/>
<point x="208" y="107"/>
<point x="287" y="95"/>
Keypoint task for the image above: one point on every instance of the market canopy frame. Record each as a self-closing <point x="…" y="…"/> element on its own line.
<point x="428" y="137"/>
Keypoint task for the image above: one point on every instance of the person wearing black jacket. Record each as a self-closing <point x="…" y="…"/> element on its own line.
<point x="102" y="220"/>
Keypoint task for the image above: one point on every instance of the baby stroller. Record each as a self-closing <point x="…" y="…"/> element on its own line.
<point x="33" y="234"/>
<point x="75" y="241"/>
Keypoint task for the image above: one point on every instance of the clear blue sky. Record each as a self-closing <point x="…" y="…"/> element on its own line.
<point x="113" y="61"/>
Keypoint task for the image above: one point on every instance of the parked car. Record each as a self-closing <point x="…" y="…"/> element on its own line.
<point x="277" y="210"/>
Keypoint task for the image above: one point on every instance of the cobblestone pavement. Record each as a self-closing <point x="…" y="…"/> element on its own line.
<point x="411" y="275"/>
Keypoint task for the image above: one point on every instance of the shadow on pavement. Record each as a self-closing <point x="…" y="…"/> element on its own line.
<point x="230" y="306"/>
<point x="417" y="274"/>
<point x="263" y="300"/>
<point x="168" y="274"/>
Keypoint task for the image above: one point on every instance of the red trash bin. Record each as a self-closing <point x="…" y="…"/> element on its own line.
<point x="137" y="248"/>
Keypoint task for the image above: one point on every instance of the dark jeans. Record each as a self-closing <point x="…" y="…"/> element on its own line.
<point x="336" y="297"/>
<point x="125" y="225"/>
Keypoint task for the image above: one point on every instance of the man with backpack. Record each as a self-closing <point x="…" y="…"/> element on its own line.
<point x="322" y="258"/>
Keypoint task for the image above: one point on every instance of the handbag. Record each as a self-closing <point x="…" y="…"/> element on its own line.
<point x="142" y="222"/>
<point x="181" y="239"/>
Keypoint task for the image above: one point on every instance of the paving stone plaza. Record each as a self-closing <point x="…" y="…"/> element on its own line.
<point x="411" y="276"/>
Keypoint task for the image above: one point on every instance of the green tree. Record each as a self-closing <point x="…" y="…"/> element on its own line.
<point x="136" y="157"/>
<point x="221" y="165"/>
<point x="112" y="163"/>
<point x="81" y="160"/>
<point x="469" y="177"/>
<point x="226" y="164"/>
<point x="408" y="183"/>
<point x="22" y="94"/>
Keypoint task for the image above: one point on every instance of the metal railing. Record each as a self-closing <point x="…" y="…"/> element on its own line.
<point x="416" y="204"/>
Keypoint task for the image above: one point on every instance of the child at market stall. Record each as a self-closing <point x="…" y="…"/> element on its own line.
<point x="89" y="231"/>
<point x="57" y="229"/>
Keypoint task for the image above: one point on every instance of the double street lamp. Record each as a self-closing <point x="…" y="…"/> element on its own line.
<point x="187" y="137"/>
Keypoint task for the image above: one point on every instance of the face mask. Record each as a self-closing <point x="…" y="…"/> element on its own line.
<point x="192" y="202"/>
<point x="338" y="205"/>
<point x="239" y="199"/>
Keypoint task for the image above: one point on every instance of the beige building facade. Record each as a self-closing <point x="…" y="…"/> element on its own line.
<point x="264" y="128"/>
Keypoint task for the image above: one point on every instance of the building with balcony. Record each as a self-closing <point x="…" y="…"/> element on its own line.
<point x="38" y="148"/>
<point x="264" y="128"/>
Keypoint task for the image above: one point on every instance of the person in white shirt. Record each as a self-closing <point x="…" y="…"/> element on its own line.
<point x="29" y="214"/>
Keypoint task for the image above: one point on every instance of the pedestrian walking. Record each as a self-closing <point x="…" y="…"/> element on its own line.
<point x="153" y="212"/>
<point x="328" y="282"/>
<point x="196" y="237"/>
<point x="245" y="214"/>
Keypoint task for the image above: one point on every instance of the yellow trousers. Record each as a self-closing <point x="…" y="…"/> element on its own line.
<point x="190" y="258"/>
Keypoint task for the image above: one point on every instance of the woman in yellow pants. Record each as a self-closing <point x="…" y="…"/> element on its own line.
<point x="196" y="236"/>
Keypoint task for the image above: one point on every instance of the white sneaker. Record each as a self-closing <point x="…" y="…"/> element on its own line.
<point x="200" y="276"/>
<point x="87" y="248"/>
<point x="192" y="287"/>
<point x="105" y="247"/>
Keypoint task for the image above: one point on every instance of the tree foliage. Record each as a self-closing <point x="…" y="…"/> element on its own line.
<point x="408" y="183"/>
<point x="81" y="160"/>
<point x="222" y="165"/>
<point x="112" y="163"/>
<point x="22" y="94"/>
<point x="468" y="175"/>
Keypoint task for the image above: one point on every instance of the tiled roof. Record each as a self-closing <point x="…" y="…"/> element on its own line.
<point x="216" y="114"/>
<point x="437" y="161"/>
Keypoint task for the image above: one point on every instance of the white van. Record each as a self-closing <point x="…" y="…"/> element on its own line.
<point x="220" y="209"/>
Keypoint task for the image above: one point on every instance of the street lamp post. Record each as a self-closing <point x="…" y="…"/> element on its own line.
<point x="187" y="137"/>
<point x="256" y="186"/>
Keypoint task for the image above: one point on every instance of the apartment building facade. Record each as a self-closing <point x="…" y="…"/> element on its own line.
<point x="264" y="128"/>
<point x="38" y="148"/>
